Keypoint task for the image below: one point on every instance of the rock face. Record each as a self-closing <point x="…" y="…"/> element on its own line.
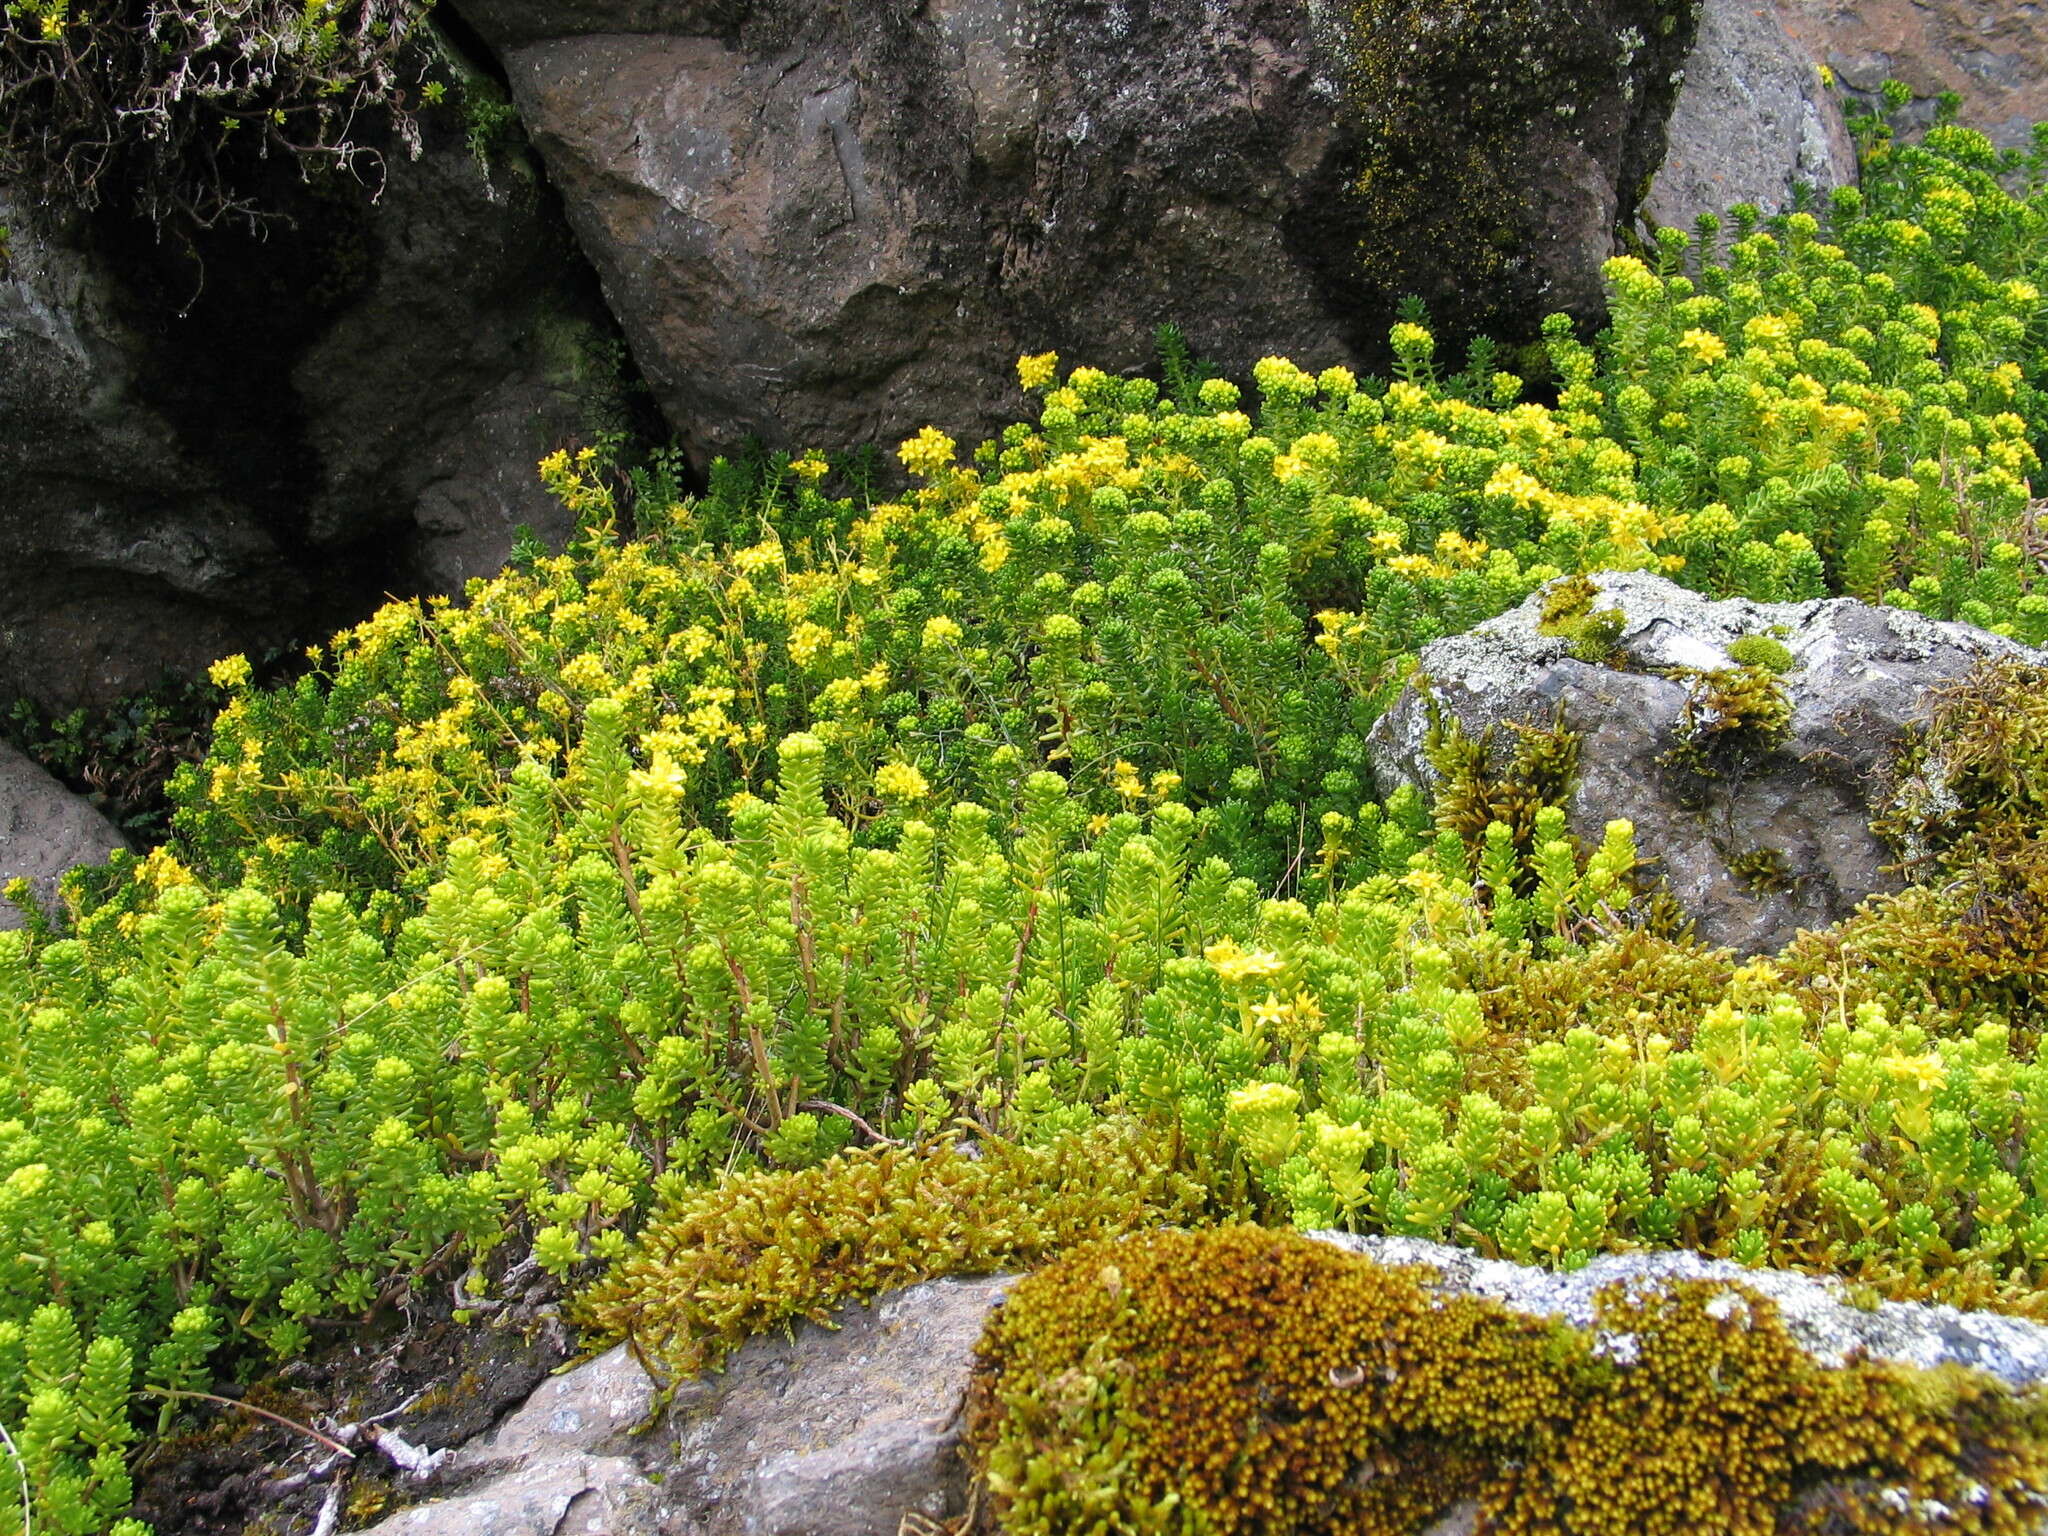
<point x="227" y="445"/>
<point x="834" y="1432"/>
<point x="44" y="830"/>
<point x="1753" y="121"/>
<point x="854" y="1431"/>
<point x="1860" y="673"/>
<point x="1989" y="50"/>
<point x="834" y="224"/>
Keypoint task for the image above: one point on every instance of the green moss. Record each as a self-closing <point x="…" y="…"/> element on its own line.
<point x="1764" y="651"/>
<point x="1733" y="719"/>
<point x="1474" y="790"/>
<point x="1762" y="871"/>
<point x="1592" y="634"/>
<point x="1967" y="812"/>
<point x="1242" y="1381"/>
<point x="758" y="1252"/>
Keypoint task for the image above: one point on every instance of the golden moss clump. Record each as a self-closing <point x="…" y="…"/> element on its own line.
<point x="1612" y="986"/>
<point x="1734" y="717"/>
<point x="1472" y="793"/>
<point x="1967" y="813"/>
<point x="1591" y="634"/>
<point x="1243" y="1381"/>
<point x="761" y="1251"/>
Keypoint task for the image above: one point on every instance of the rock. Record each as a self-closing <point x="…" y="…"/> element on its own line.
<point x="832" y="225"/>
<point x="1815" y="1310"/>
<point x="831" y="1432"/>
<point x="1860" y="674"/>
<point x="229" y="444"/>
<point x="847" y="1431"/>
<point x="1753" y="122"/>
<point x="561" y="1463"/>
<point x="44" y="830"/>
<point x="1989" y="50"/>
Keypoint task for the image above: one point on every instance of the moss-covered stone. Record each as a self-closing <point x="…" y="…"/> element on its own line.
<point x="1502" y="145"/>
<point x="1247" y="1381"/>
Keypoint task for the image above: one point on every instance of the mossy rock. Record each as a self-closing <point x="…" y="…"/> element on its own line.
<point x="1249" y="1381"/>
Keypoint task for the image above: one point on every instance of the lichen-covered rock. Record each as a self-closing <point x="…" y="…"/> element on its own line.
<point x="1815" y="1310"/>
<point x="44" y="830"/>
<point x="834" y="224"/>
<point x="221" y="443"/>
<point x="1780" y="840"/>
<point x="1754" y="121"/>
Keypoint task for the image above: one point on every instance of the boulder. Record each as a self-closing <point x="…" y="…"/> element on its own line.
<point x="213" y="442"/>
<point x="830" y="225"/>
<point x="1800" y="811"/>
<point x="1753" y="124"/>
<point x="44" y="830"/>
<point x="1990" y="51"/>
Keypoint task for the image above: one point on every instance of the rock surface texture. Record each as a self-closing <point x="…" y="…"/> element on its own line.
<point x="44" y="830"/>
<point x="1860" y="674"/>
<point x="228" y="445"/>
<point x="1753" y="121"/>
<point x="835" y="1432"/>
<point x="835" y="224"/>
<point x="1989" y="50"/>
<point x="846" y="1432"/>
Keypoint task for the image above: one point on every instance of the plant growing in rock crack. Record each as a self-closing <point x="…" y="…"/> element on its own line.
<point x="175" y="104"/>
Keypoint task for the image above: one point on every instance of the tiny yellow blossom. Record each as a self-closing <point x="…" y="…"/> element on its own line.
<point x="929" y="454"/>
<point x="940" y="630"/>
<point x="1703" y="346"/>
<point x="900" y="781"/>
<point x="230" y="671"/>
<point x="1038" y="371"/>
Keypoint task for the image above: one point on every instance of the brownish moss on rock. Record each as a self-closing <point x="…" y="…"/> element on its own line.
<point x="1249" y="1381"/>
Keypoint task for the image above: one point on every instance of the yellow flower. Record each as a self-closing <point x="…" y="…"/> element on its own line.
<point x="929" y="454"/>
<point x="230" y="671"/>
<point x="900" y="781"/>
<point x="1923" y="1072"/>
<point x="1038" y="372"/>
<point x="1704" y="346"/>
<point x="806" y="640"/>
<point x="1270" y="1014"/>
<point x="940" y="630"/>
<point x="810" y="469"/>
<point x="1234" y="964"/>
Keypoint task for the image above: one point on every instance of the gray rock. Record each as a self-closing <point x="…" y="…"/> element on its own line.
<point x="829" y="1432"/>
<point x="1814" y="1309"/>
<point x="1860" y="674"/>
<point x="835" y="1433"/>
<point x="1753" y="121"/>
<point x="199" y="461"/>
<point x="44" y="830"/>
<point x="835" y="224"/>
